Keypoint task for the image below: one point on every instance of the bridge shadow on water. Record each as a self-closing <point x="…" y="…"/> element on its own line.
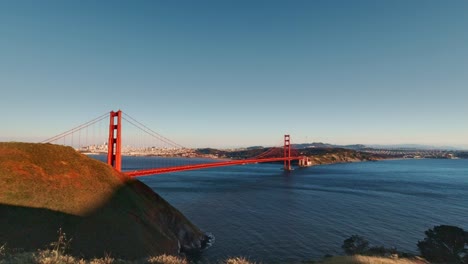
<point x="128" y="225"/>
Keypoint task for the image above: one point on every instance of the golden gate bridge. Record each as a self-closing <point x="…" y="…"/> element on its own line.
<point x="80" y="135"/>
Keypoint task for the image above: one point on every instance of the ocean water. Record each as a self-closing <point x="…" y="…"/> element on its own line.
<point x="265" y="214"/>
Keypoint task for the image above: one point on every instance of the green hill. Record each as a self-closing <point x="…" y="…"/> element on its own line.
<point x="45" y="187"/>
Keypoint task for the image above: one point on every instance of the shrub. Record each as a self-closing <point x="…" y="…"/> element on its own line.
<point x="355" y="245"/>
<point x="446" y="244"/>
<point x="377" y="251"/>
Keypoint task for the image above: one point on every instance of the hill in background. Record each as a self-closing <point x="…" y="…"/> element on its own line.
<point x="318" y="155"/>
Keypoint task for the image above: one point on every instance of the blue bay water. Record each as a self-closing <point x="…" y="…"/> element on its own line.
<point x="265" y="214"/>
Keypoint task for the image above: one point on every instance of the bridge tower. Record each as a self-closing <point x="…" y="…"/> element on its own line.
<point x="287" y="153"/>
<point x="114" y="145"/>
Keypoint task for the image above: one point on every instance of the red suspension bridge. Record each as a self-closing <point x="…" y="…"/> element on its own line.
<point x="114" y="148"/>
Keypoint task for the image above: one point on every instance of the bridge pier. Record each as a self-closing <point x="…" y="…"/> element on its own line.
<point x="114" y="145"/>
<point x="287" y="153"/>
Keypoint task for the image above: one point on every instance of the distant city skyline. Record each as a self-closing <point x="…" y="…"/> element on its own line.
<point x="239" y="73"/>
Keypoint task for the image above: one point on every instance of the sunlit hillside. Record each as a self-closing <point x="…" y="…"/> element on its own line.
<point x="47" y="187"/>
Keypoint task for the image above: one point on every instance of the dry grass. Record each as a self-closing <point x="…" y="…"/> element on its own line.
<point x="2" y="250"/>
<point x="64" y="180"/>
<point x="167" y="259"/>
<point x="357" y="259"/>
<point x="105" y="260"/>
<point x="53" y="257"/>
<point x="238" y="260"/>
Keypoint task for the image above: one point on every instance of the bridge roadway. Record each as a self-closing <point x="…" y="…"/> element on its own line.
<point x="148" y="172"/>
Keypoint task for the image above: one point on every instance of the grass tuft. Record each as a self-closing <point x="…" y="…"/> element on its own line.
<point x="53" y="257"/>
<point x="167" y="259"/>
<point x="2" y="250"/>
<point x="59" y="247"/>
<point x="238" y="260"/>
<point x="105" y="260"/>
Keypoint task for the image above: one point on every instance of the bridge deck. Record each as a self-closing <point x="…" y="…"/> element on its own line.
<point x="148" y="172"/>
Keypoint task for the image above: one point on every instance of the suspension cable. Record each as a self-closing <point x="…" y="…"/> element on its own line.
<point x="73" y="130"/>
<point x="150" y="132"/>
<point x="272" y="150"/>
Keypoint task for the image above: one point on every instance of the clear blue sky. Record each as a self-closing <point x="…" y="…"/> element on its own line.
<point x="226" y="73"/>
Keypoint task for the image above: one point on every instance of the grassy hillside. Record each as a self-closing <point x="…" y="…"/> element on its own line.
<point x="46" y="187"/>
<point x="320" y="156"/>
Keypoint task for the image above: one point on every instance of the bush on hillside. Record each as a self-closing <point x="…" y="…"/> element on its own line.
<point x="355" y="245"/>
<point x="377" y="251"/>
<point x="358" y="245"/>
<point x="445" y="244"/>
